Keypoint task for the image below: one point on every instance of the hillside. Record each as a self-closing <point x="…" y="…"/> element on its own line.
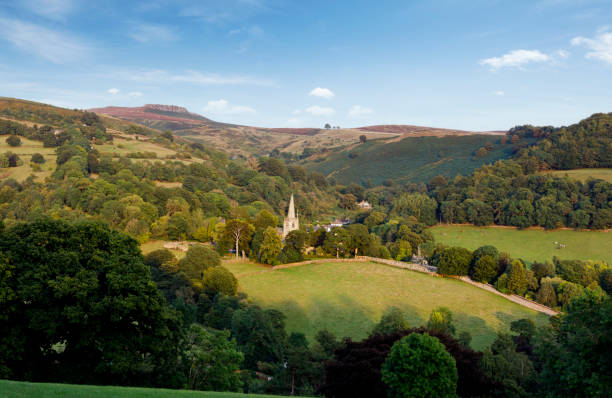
<point x="349" y="298"/>
<point x="416" y="159"/>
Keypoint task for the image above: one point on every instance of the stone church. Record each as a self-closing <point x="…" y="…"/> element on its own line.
<point x="291" y="221"/>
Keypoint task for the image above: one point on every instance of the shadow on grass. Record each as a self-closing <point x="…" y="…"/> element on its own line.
<point x="343" y="316"/>
<point x="482" y="334"/>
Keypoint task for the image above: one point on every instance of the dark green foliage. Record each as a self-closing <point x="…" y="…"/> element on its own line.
<point x="485" y="269"/>
<point x="541" y="270"/>
<point x="546" y="295"/>
<point x="512" y="372"/>
<point x="567" y="291"/>
<point x="392" y="321"/>
<point x="13" y="140"/>
<point x="575" y="353"/>
<point x="605" y="280"/>
<point x="218" y="280"/>
<point x="419" y="366"/>
<point x="212" y="359"/>
<point x="577" y="271"/>
<point x="453" y="261"/>
<point x="79" y="306"/>
<point x="356" y="368"/>
<point x="197" y="260"/>
<point x="37" y="158"/>
<point x="260" y="335"/>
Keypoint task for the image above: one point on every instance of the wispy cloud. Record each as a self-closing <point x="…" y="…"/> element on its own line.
<point x="113" y="91"/>
<point x="194" y="77"/>
<point x="135" y="94"/>
<point x="146" y="33"/>
<point x="600" y="46"/>
<point x="357" y="111"/>
<point x="515" y="59"/>
<point x="317" y="110"/>
<point x="322" y="93"/>
<point x="51" y="9"/>
<point x="54" y="46"/>
<point x="224" y="11"/>
<point x="223" y="107"/>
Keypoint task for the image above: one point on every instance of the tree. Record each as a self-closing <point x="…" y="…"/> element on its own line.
<point x="453" y="261"/>
<point x="197" y="260"/>
<point x="517" y="278"/>
<point x="575" y="354"/>
<point x="485" y="269"/>
<point x="162" y="258"/>
<point x="239" y="232"/>
<point x="271" y="246"/>
<point x="79" y="306"/>
<point x="37" y="158"/>
<point x="363" y="139"/>
<point x="392" y="321"/>
<point x="13" y="140"/>
<point x="546" y="295"/>
<point x="419" y="366"/>
<point x="265" y="219"/>
<point x="567" y="291"/>
<point x="213" y="360"/>
<point x="327" y="126"/>
<point x="441" y="320"/>
<point x="219" y="280"/>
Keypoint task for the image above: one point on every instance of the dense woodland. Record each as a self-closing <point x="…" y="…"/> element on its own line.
<point x="104" y="314"/>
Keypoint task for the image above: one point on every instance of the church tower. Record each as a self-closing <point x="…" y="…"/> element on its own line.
<point x="291" y="221"/>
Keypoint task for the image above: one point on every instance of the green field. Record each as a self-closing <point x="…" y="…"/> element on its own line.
<point x="531" y="244"/>
<point x="585" y="174"/>
<point x="348" y="298"/>
<point x="14" y="389"/>
<point x="411" y="159"/>
<point x="25" y="152"/>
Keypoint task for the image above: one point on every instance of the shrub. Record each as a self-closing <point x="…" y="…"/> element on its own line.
<point x="197" y="260"/>
<point x="13" y="140"/>
<point x="37" y="158"/>
<point x="419" y="366"/>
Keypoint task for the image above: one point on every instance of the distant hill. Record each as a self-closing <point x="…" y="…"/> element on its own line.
<point x="163" y="117"/>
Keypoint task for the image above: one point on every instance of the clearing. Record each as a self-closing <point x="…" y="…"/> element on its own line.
<point x="16" y="389"/>
<point x="349" y="298"/>
<point x="25" y="152"/>
<point x="533" y="244"/>
<point x="585" y="174"/>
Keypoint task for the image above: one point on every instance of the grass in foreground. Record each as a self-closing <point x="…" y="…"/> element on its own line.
<point x="15" y="389"/>
<point x="349" y="298"/>
<point x="530" y="244"/>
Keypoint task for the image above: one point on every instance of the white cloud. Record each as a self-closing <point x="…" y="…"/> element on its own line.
<point x="563" y="53"/>
<point x="515" y="59"/>
<point x="51" y="9"/>
<point x="359" y="111"/>
<point x="146" y="33"/>
<point x="322" y="92"/>
<point x="499" y="93"/>
<point x="135" y="94"/>
<point x="113" y="91"/>
<point x="53" y="46"/>
<point x="600" y="46"/>
<point x="296" y="112"/>
<point x="317" y="110"/>
<point x="223" y="107"/>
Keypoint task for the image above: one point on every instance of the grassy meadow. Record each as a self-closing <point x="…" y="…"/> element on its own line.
<point x="349" y="298"/>
<point x="585" y="174"/>
<point x="14" y="389"/>
<point x="530" y="244"/>
<point x="25" y="152"/>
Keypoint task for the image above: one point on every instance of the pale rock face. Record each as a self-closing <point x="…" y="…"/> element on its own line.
<point x="291" y="222"/>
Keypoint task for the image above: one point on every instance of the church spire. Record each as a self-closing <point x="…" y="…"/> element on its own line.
<point x="291" y="212"/>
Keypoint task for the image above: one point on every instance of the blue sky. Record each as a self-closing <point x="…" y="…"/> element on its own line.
<point x="473" y="64"/>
